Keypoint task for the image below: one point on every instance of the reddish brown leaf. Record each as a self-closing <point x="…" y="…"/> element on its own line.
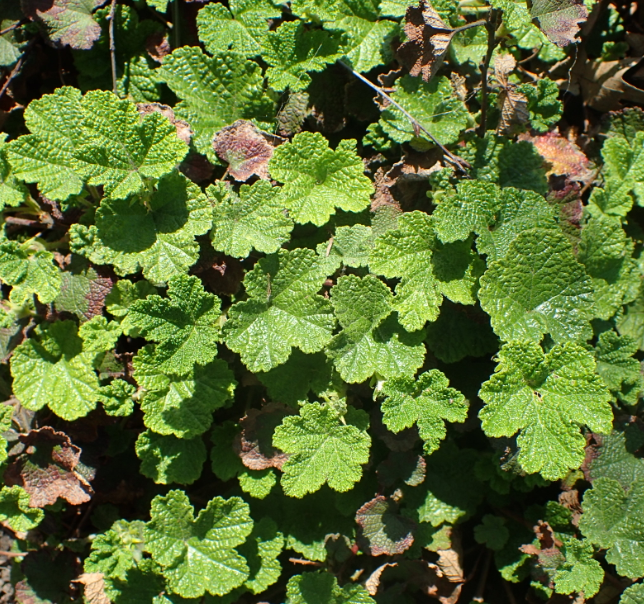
<point x="559" y="20"/>
<point x="158" y="46"/>
<point x="246" y="149"/>
<point x="383" y="531"/>
<point x="67" y="22"/>
<point x="428" y="39"/>
<point x="197" y="167"/>
<point x="47" y="469"/>
<point x="564" y="156"/>
<point x="254" y="444"/>
<point x="373" y="582"/>
<point x="183" y="128"/>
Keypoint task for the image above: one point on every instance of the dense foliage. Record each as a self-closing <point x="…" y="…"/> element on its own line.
<point x="321" y="301"/>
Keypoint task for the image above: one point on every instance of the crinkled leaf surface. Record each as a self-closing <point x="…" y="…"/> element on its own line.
<point x="613" y="457"/>
<point x="116" y="551"/>
<point x="613" y="520"/>
<point x="580" y="572"/>
<point x="198" y="555"/>
<point x="242" y="27"/>
<point x="427" y="401"/>
<point x="323" y="588"/>
<point x="322" y="449"/>
<point x="15" y="510"/>
<point x="181" y="405"/>
<point x="559" y="19"/>
<point x="283" y="310"/>
<point x="383" y="530"/>
<point x="429" y="269"/>
<point x="157" y="237"/>
<point x="51" y="369"/>
<point x="185" y="324"/>
<point x="168" y="459"/>
<point x="371" y="341"/>
<point x="433" y="104"/>
<point x="96" y="139"/>
<point x="29" y="270"/>
<point x="545" y="398"/>
<point x="318" y="179"/>
<point x="350" y="246"/>
<point x="538" y="288"/>
<point x="215" y="91"/>
<point x="256" y="219"/>
<point x="292" y="50"/>
<point x="617" y="367"/>
<point x="12" y="191"/>
<point x="261" y="550"/>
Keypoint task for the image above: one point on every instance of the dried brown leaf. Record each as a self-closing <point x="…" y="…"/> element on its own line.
<point x="254" y="444"/>
<point x="246" y="149"/>
<point x="184" y="131"/>
<point x="158" y="46"/>
<point x="383" y="531"/>
<point x="93" y="588"/>
<point x="428" y="39"/>
<point x="373" y="582"/>
<point x="559" y="19"/>
<point x="47" y="469"/>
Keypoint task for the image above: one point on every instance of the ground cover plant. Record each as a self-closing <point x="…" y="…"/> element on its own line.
<point x="321" y="302"/>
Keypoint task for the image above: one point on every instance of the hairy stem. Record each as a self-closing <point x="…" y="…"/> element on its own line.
<point x="460" y="163"/>
<point x="16" y="69"/>
<point x="110" y="18"/>
<point x="490" y="25"/>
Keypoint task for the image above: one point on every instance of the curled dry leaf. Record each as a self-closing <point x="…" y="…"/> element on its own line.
<point x="383" y="531"/>
<point x="513" y="104"/>
<point x="254" y="444"/>
<point x="564" y="156"/>
<point x="158" y="46"/>
<point x="184" y="131"/>
<point x="246" y="149"/>
<point x="373" y="582"/>
<point x="93" y="588"/>
<point x="47" y="469"/>
<point x="428" y="39"/>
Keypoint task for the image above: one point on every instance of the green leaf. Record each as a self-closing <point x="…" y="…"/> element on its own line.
<point x="292" y="51"/>
<point x="617" y="367"/>
<point x="505" y="162"/>
<point x="544" y="105"/>
<point x="116" y="551"/>
<point x="613" y="457"/>
<point x="181" y="405"/>
<point x="12" y="191"/>
<point x="545" y="398"/>
<point x="168" y="459"/>
<point x="257" y="483"/>
<point x="143" y="585"/>
<point x="241" y="28"/>
<point x="612" y="520"/>
<point x="322" y="449"/>
<point x="429" y="269"/>
<point x="492" y="532"/>
<point x="624" y="172"/>
<point x="382" y="529"/>
<point x="580" y="572"/>
<point x="633" y="594"/>
<point x="433" y="104"/>
<point x="50" y="368"/>
<point x="117" y="398"/>
<point x="122" y="296"/>
<point x="349" y="246"/>
<point x="427" y="401"/>
<point x="323" y="588"/>
<point x="6" y="415"/>
<point x="185" y="324"/>
<point x="261" y="550"/>
<point x="318" y="179"/>
<point x="97" y="139"/>
<point x="15" y="510"/>
<point x="559" y="20"/>
<point x="99" y="335"/>
<point x="198" y="555"/>
<point x="256" y="219"/>
<point x="30" y="270"/>
<point x="371" y="341"/>
<point x="283" y="310"/>
<point x="605" y="251"/>
<point x="538" y="288"/>
<point x="214" y="92"/>
<point x="157" y="237"/>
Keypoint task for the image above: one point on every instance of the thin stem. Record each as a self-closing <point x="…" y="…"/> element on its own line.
<point x="16" y="69"/>
<point x="457" y="161"/>
<point x="112" y="45"/>
<point x="12" y="554"/>
<point x="480" y="589"/>
<point x="16" y="25"/>
<point x="175" y="19"/>
<point x="491" y="43"/>
<point x="458" y="30"/>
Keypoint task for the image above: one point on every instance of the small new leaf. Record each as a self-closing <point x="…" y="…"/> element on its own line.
<point x="322" y="449"/>
<point x="427" y="401"/>
<point x="546" y="399"/>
